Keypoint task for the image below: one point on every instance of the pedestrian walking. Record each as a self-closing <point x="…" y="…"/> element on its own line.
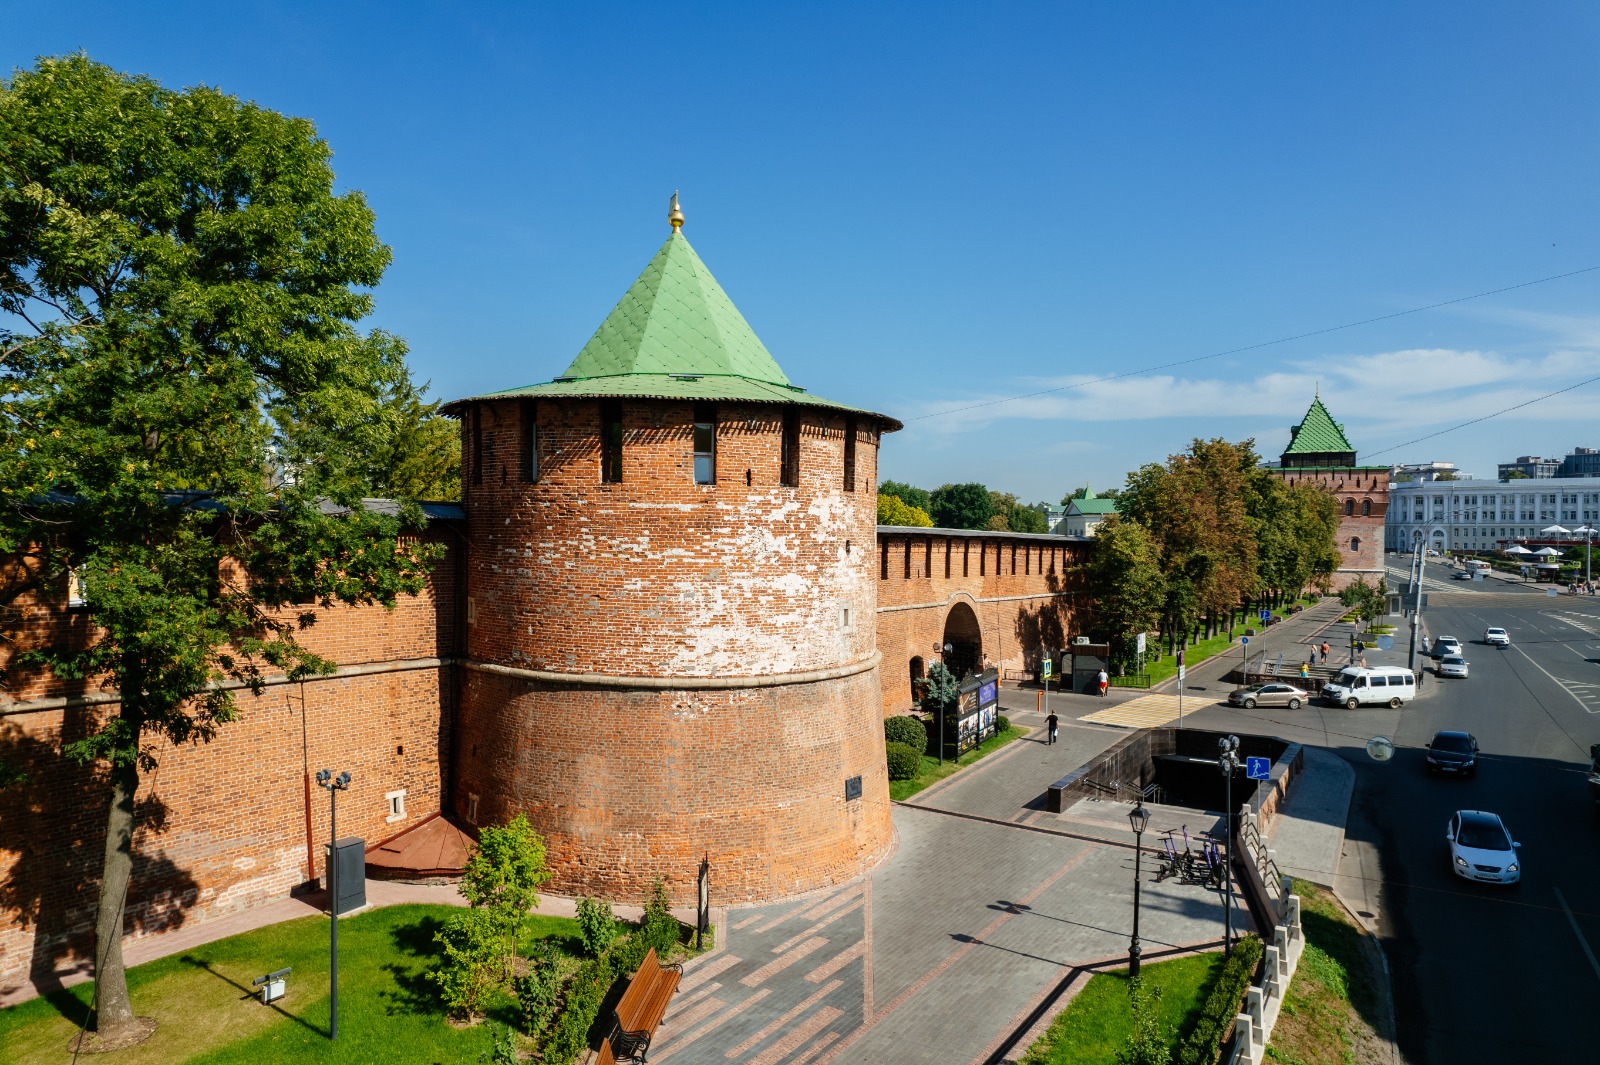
<point x="1305" y="672"/>
<point x="1313" y="654"/>
<point x="1050" y="723"/>
<point x="1105" y="682"/>
<point x="1325" y="650"/>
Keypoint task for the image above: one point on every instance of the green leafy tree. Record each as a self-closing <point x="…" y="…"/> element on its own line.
<point x="894" y="511"/>
<point x="469" y="961"/>
<point x="1514" y="475"/>
<point x="961" y="506"/>
<point x="179" y="293"/>
<point x="502" y="877"/>
<point x="915" y="497"/>
<point x="1365" y="601"/>
<point x="1015" y="516"/>
<point x="1146" y="1044"/>
<point x="1125" y="584"/>
<point x="597" y="926"/>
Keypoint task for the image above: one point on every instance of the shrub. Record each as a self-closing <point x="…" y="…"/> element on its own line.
<point x="587" y="989"/>
<point x="1146" y="1043"/>
<point x="502" y="877"/>
<point x="596" y="925"/>
<point x="907" y="730"/>
<point x="470" y="961"/>
<point x="1002" y="723"/>
<point x="904" y="762"/>
<point x="502" y="1046"/>
<point x="1215" y="1025"/>
<point x="538" y="988"/>
<point x="659" y="929"/>
<point x="942" y="689"/>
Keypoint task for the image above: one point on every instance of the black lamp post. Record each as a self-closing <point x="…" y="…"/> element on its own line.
<point x="944" y="659"/>
<point x="1227" y="761"/>
<point x="1138" y="817"/>
<point x="334" y="785"/>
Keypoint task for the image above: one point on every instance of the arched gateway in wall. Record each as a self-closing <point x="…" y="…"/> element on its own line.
<point x="963" y="637"/>
<point x="671" y="608"/>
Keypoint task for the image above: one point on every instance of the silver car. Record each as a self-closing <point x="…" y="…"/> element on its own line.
<point x="1270" y="695"/>
<point x="1453" y="666"/>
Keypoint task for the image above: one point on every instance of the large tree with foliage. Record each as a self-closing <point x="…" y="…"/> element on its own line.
<point x="961" y="506"/>
<point x="190" y="410"/>
<point x="1010" y="514"/>
<point x="1125" y="584"/>
<point x="911" y="495"/>
<point x="892" y="510"/>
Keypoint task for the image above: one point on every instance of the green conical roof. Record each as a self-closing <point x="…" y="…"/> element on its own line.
<point x="676" y="335"/>
<point x="1318" y="433"/>
<point x="676" y="320"/>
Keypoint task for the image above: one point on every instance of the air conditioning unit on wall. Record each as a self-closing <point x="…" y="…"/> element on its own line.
<point x="1081" y="640"/>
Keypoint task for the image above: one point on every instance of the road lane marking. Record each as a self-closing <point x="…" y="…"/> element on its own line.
<point x="1573" y="921"/>
<point x="1563" y="684"/>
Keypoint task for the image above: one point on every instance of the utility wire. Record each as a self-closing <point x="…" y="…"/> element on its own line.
<point x="1264" y="344"/>
<point x="1486" y="417"/>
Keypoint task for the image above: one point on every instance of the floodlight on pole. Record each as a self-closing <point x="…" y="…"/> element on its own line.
<point x="335" y="785"/>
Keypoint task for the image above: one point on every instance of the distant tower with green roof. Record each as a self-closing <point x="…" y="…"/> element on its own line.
<point x="671" y="607"/>
<point x="1320" y="452"/>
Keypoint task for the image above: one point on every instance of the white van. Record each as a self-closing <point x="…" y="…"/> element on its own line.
<point x="1356" y="686"/>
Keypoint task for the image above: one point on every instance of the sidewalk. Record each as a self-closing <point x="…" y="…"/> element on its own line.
<point x="1290" y="638"/>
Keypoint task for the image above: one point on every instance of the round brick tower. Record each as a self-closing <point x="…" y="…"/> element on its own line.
<point x="671" y="604"/>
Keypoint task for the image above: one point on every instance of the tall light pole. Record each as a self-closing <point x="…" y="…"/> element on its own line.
<point x="1227" y="761"/>
<point x="1588" y="538"/>
<point x="1138" y="817"/>
<point x="334" y="785"/>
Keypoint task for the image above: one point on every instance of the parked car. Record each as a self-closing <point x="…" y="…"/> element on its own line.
<point x="1270" y="695"/>
<point x="1496" y="637"/>
<point x="1453" y="752"/>
<point x="1446" y="645"/>
<point x="1464" y="575"/>
<point x="1481" y="848"/>
<point x="1453" y="666"/>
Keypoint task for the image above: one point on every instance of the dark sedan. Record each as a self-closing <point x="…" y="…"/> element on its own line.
<point x="1270" y="695"/>
<point x="1453" y="752"/>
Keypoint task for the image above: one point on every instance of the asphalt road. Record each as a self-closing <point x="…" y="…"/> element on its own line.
<point x="1482" y="973"/>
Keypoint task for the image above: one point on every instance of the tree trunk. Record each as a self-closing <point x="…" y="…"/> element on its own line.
<point x="113" y="1010"/>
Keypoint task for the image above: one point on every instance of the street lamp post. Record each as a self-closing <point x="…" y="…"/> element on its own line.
<point x="1588" y="539"/>
<point x="1227" y="761"/>
<point x="1138" y="817"/>
<point x="334" y="785"/>
<point x="944" y="659"/>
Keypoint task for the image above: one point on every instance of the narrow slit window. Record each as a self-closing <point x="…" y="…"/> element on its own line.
<point x="789" y="471"/>
<point x="883" y="562"/>
<point x="948" y="547"/>
<point x="611" y="442"/>
<point x="530" y="445"/>
<point x="705" y="444"/>
<point x="850" y="453"/>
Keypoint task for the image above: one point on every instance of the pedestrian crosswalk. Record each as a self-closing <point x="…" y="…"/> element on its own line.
<point x="1146" y="711"/>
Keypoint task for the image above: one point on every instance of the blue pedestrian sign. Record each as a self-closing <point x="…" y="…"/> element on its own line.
<point x="1258" y="768"/>
<point x="1264" y="614"/>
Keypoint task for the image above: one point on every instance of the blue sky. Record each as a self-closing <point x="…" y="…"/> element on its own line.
<point x="922" y="207"/>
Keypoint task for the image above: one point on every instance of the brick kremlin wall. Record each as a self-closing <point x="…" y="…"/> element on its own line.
<point x="1022" y="588"/>
<point x="221" y="826"/>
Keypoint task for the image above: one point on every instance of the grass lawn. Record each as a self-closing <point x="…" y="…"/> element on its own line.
<point x="1193" y="655"/>
<point x="207" y="1011"/>
<point x="1096" y="1022"/>
<point x="1326" y="1012"/>
<point x="932" y="772"/>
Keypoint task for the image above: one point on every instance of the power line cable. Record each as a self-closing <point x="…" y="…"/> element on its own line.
<point x="1484" y="418"/>
<point x="1256" y="347"/>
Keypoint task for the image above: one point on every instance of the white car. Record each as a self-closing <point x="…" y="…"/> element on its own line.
<point x="1453" y="666"/>
<point x="1446" y="645"/>
<point x="1482" y="849"/>
<point x="1496" y="637"/>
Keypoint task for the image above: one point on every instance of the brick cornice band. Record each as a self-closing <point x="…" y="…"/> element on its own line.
<point x="604" y="680"/>
<point x="361" y="669"/>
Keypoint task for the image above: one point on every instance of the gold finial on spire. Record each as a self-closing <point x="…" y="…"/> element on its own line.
<point x="675" y="215"/>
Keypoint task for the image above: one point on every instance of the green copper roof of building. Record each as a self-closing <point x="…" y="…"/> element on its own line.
<point x="1318" y="433"/>
<point x="675" y="334"/>
<point x="1095" y="505"/>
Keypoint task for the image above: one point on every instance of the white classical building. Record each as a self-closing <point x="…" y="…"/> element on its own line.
<point x="1486" y="515"/>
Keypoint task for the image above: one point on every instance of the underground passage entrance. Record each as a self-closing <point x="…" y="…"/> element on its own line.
<point x="1175" y="767"/>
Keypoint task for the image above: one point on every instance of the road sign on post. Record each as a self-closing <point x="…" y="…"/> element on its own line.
<point x="1264" y="614"/>
<point x="1258" y="768"/>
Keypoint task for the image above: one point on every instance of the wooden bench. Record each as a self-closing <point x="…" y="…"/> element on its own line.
<point x="643" y="1004"/>
<point x="605" y="1057"/>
